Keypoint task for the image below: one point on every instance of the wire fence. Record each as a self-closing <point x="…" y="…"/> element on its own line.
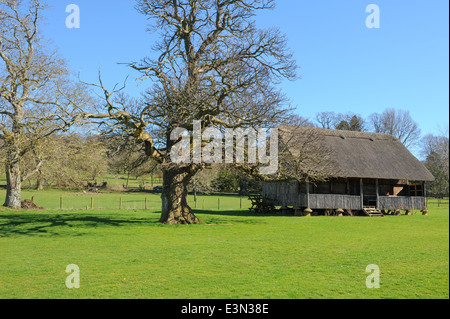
<point x="438" y="200"/>
<point x="135" y="202"/>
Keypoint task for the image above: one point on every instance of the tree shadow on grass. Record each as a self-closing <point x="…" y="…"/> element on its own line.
<point x="237" y="213"/>
<point x="79" y="224"/>
<point x="232" y="216"/>
<point x="12" y="225"/>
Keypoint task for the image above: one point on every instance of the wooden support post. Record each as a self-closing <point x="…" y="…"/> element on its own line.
<point x="218" y="204"/>
<point x="425" y="209"/>
<point x="307" y="194"/>
<point x="425" y="194"/>
<point x="361" y="192"/>
<point x="378" y="192"/>
<point x="92" y="202"/>
<point x="145" y="203"/>
<point x="61" y="203"/>
<point x="240" y="204"/>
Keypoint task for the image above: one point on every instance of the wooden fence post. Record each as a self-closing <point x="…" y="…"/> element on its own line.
<point x="120" y="205"/>
<point x="145" y="203"/>
<point x="218" y="203"/>
<point x="61" y="202"/>
<point x="92" y="202"/>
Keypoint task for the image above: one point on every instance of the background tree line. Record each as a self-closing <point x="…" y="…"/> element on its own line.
<point x="396" y="122"/>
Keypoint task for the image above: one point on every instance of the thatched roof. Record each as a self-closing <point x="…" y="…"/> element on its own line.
<point x="361" y="155"/>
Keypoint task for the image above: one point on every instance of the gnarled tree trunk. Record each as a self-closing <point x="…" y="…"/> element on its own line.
<point x="175" y="207"/>
<point x="14" y="187"/>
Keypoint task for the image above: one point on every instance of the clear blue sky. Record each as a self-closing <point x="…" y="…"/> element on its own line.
<point x="345" y="66"/>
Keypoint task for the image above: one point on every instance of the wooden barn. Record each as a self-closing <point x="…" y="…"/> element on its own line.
<point x="367" y="174"/>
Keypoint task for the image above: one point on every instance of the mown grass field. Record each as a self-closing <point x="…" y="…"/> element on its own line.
<point x="128" y="254"/>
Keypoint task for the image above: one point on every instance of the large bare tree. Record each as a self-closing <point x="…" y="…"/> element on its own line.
<point x="212" y="64"/>
<point x="37" y="97"/>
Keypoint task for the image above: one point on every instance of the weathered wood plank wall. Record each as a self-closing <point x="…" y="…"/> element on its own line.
<point x="321" y="201"/>
<point x="402" y="203"/>
<point x="284" y="194"/>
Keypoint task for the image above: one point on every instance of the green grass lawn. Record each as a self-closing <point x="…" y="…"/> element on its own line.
<point x="128" y="254"/>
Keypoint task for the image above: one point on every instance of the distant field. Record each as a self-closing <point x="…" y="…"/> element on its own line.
<point x="118" y="180"/>
<point x="128" y="254"/>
